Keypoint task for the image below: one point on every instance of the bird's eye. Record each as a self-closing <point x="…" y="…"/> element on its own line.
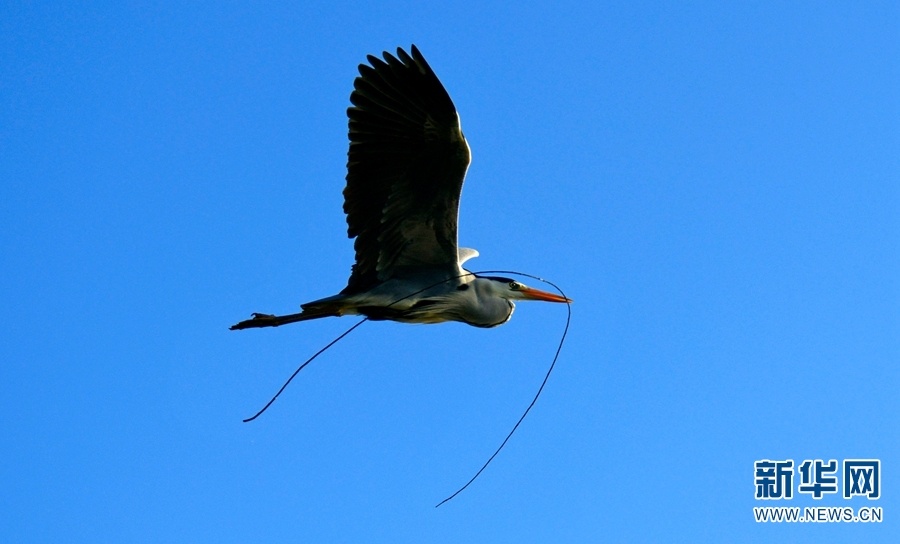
<point x="515" y="286"/>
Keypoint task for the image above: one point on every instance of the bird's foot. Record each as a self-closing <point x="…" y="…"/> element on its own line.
<point x="258" y="320"/>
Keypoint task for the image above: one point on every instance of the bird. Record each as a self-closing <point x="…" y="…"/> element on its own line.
<point x="406" y="165"/>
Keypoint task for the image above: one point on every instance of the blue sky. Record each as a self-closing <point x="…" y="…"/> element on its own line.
<point x="717" y="187"/>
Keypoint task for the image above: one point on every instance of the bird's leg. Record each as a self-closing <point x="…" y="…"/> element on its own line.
<point x="266" y="320"/>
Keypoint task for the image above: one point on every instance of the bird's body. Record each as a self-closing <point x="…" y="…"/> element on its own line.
<point x="406" y="165"/>
<point x="434" y="298"/>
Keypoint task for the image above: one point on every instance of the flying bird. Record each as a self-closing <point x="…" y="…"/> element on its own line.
<point x="405" y="170"/>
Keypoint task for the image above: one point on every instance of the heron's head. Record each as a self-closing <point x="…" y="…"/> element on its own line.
<point x="516" y="290"/>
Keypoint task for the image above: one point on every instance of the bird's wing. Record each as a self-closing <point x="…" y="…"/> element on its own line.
<point x="407" y="161"/>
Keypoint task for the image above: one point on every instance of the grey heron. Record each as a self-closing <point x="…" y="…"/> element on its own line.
<point x="405" y="170"/>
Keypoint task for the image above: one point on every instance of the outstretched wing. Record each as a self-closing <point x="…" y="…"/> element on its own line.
<point x="407" y="161"/>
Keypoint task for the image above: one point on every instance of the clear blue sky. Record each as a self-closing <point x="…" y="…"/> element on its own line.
<point x="718" y="188"/>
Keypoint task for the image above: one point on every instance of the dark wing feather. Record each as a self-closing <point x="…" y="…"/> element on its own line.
<point x="405" y="170"/>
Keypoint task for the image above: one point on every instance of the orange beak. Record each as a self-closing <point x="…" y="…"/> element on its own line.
<point x="529" y="293"/>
